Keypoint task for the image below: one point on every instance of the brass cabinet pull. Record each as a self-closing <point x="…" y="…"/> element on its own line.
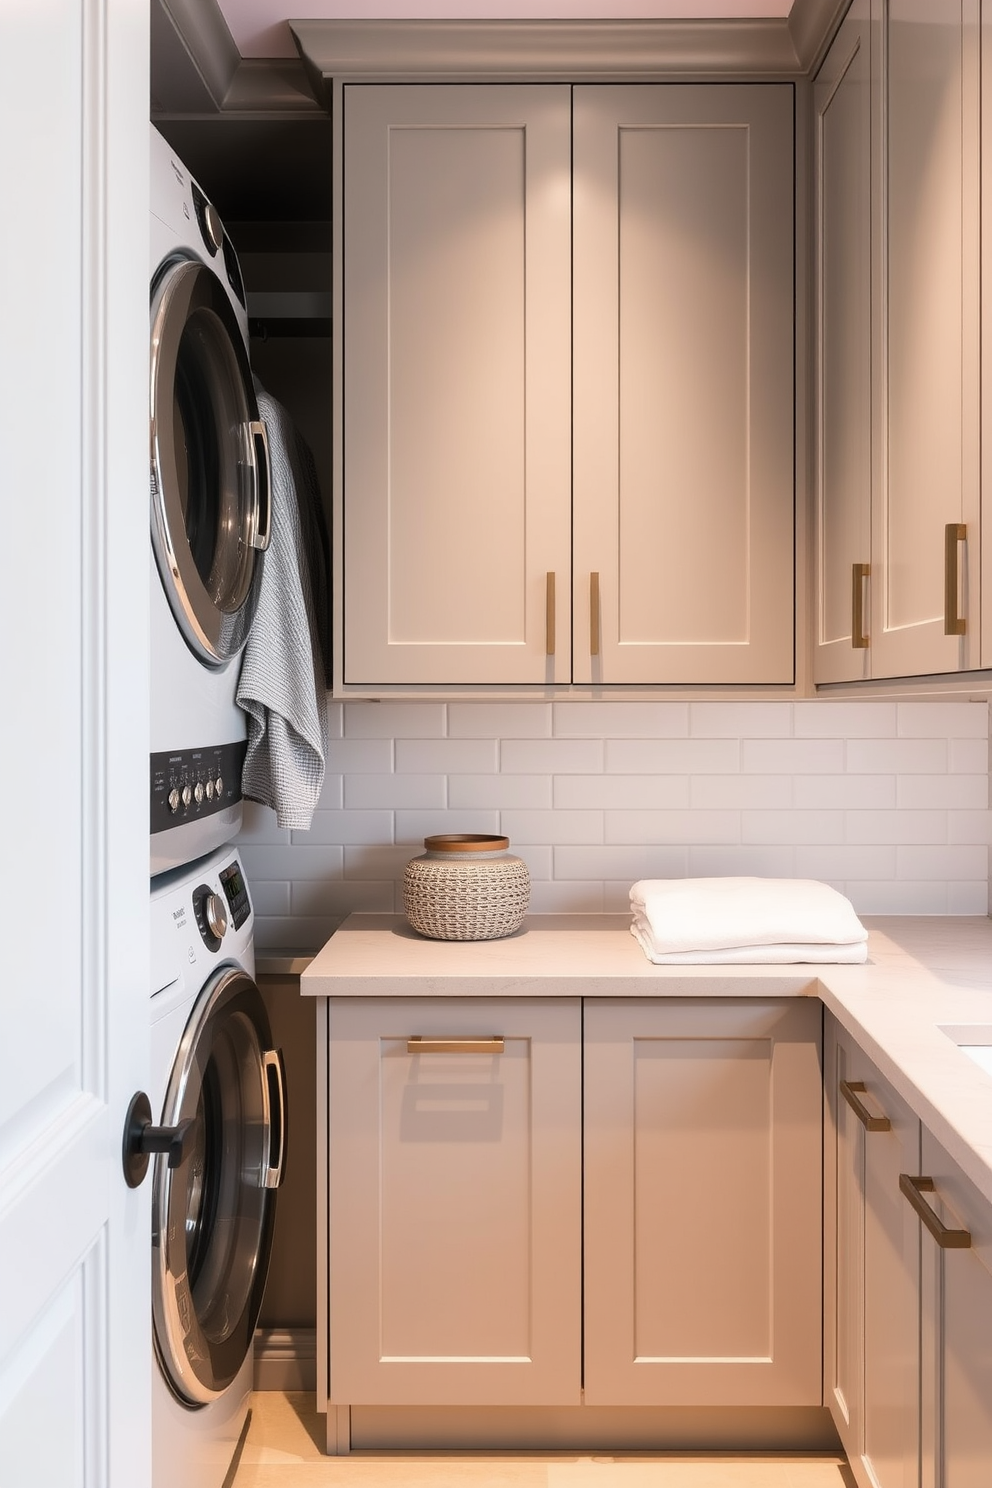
<point x="850" y="1090"/>
<point x="859" y="572"/>
<point x="549" y="615"/>
<point x="594" y="614"/>
<point x="947" y="1239"/>
<point x="424" y="1044"/>
<point x="954" y="533"/>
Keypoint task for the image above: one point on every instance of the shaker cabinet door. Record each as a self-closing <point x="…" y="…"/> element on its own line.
<point x="455" y="1225"/>
<point x="683" y="399"/>
<point x="457" y="385"/>
<point x="843" y="330"/>
<point x="703" y="1133"/>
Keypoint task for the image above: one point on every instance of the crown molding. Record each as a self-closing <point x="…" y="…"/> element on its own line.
<point x="813" y="25"/>
<point x="544" y="50"/>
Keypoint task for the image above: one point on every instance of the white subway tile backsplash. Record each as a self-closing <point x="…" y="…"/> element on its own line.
<point x="672" y="756"/>
<point x="750" y="861"/>
<point x="360" y="756"/>
<point x="740" y="720"/>
<point x="850" y="792"/>
<point x="881" y="827"/>
<point x="741" y="792"/>
<point x="551" y="756"/>
<point x="970" y="826"/>
<point x="382" y="792"/>
<point x="792" y="756"/>
<point x="329" y="827"/>
<point x="959" y="861"/>
<point x="394" y="720"/>
<point x="838" y="864"/>
<point x="564" y="897"/>
<point x="411" y="827"/>
<point x="446" y="756"/>
<point x="827" y="720"/>
<point x="968" y="756"/>
<point x="501" y="792"/>
<point x="785" y="827"/>
<point x="889" y="802"/>
<point x="499" y="721"/>
<point x="630" y="863"/>
<point x="943" y="720"/>
<point x="618" y="720"/>
<point x="630" y="792"/>
<point x="969" y="898"/>
<point x="552" y="826"/>
<point x="897" y="756"/>
<point x="675" y="827"/>
<point x="943" y="791"/>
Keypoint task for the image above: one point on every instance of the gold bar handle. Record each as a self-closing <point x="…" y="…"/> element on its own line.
<point x="859" y="572"/>
<point x="947" y="1239"/>
<point x="424" y="1044"/>
<point x="549" y="615"/>
<point x="594" y="614"/>
<point x="851" y="1090"/>
<point x="954" y="533"/>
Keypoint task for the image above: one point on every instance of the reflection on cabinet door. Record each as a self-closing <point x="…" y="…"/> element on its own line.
<point x="925" y="579"/>
<point x="703" y="1129"/>
<point x="455" y="1201"/>
<point x="956" y="1276"/>
<point x="683" y="393"/>
<point x="842" y="118"/>
<point x="457" y="371"/>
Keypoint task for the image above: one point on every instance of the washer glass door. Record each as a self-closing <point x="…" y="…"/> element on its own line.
<point x="209" y="462"/>
<point x="212" y="1215"/>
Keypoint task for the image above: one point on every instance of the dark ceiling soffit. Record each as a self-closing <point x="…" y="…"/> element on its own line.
<point x="194" y="57"/>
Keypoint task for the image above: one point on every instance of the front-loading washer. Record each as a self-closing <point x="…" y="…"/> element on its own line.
<point x="209" y="516"/>
<point x="217" y="1088"/>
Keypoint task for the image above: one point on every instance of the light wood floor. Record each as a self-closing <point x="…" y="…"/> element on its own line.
<point x="283" y="1450"/>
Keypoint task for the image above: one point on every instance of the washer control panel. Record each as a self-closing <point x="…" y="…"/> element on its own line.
<point x="189" y="784"/>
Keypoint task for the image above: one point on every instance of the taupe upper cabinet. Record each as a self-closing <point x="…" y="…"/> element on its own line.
<point x="567" y="385"/>
<point x="918" y="609"/>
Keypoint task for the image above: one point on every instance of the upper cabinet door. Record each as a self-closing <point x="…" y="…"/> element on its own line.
<point x="457" y="419"/>
<point x="927" y="246"/>
<point x="683" y="384"/>
<point x="842" y="226"/>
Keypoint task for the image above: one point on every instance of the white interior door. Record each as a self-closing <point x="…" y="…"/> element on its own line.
<point x="75" y="1346"/>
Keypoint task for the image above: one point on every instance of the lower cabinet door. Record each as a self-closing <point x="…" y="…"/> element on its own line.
<point x="703" y="1138"/>
<point x="455" y="1201"/>
<point x="956" y="1333"/>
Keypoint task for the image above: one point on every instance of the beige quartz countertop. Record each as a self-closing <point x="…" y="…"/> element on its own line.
<point x="923" y="976"/>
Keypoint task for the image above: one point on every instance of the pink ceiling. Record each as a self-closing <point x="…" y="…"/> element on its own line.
<point x="259" y="26"/>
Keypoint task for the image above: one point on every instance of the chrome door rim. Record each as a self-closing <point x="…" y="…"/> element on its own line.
<point x="201" y="1338"/>
<point x="214" y="612"/>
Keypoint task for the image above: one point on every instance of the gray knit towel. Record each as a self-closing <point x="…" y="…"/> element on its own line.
<point x="282" y="686"/>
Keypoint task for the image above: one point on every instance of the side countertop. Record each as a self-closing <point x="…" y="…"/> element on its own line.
<point x="926" y="988"/>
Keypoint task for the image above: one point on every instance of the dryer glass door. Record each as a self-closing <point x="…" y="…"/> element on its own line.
<point x="212" y="1215"/>
<point x="209" y="462"/>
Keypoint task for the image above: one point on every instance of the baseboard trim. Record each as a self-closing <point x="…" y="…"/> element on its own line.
<point x="285" y="1359"/>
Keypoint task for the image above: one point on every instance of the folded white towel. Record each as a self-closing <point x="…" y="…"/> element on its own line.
<point x="720" y="921"/>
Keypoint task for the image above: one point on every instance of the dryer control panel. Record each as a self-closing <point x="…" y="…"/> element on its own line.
<point x="189" y="784"/>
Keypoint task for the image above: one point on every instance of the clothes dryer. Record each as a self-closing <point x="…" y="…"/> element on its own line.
<point x="209" y="516"/>
<point x="217" y="1086"/>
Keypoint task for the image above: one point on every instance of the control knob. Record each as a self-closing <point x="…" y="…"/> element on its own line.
<point x="187" y="794"/>
<point x="174" y="799"/>
<point x="216" y="915"/>
<point x="198" y="792"/>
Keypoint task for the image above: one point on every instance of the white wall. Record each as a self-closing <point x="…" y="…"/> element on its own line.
<point x="886" y="801"/>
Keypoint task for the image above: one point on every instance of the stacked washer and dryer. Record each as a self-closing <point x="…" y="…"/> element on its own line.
<point x="218" y="1092"/>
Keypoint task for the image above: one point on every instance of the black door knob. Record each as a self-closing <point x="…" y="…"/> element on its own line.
<point x="141" y="1139"/>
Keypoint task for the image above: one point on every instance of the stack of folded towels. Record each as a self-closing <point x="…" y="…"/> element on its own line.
<point x="725" y="921"/>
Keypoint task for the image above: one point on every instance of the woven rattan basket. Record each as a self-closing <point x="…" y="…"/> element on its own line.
<point x="466" y="887"/>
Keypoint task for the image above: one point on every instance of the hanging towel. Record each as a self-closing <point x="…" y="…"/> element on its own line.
<point x="282" y="686"/>
<point x="723" y="921"/>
